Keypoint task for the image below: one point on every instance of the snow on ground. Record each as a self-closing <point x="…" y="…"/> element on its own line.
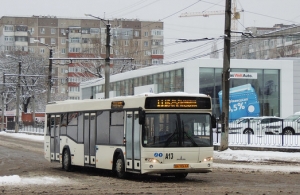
<point x="23" y="136"/>
<point x="232" y="155"/>
<point x="257" y="156"/>
<point x="15" y="179"/>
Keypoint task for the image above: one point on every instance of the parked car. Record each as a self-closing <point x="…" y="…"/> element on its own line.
<point x="256" y="125"/>
<point x="239" y="125"/>
<point x="268" y="125"/>
<point x="291" y="124"/>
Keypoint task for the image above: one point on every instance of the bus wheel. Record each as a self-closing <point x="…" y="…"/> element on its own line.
<point x="248" y="131"/>
<point x="288" y="131"/>
<point x="120" y="167"/>
<point x="66" y="162"/>
<point x="181" y="175"/>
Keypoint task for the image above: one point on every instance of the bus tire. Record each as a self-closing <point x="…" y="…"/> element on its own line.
<point x="288" y="131"/>
<point x="66" y="161"/>
<point x="181" y="175"/>
<point x="248" y="131"/>
<point x="120" y="167"/>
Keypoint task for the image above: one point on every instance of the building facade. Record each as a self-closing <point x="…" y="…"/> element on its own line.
<point x="268" y="43"/>
<point x="270" y="86"/>
<point x="79" y="38"/>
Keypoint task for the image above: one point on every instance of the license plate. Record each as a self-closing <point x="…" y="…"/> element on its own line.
<point x="181" y="166"/>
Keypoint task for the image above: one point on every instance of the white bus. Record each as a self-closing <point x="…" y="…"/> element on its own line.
<point x="141" y="134"/>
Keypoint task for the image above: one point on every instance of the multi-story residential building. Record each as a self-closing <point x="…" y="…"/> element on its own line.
<point x="268" y="43"/>
<point x="78" y="38"/>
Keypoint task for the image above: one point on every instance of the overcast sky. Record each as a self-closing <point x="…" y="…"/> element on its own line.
<point x="260" y="13"/>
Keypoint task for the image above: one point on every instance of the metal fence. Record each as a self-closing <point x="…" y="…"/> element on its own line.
<point x="261" y="134"/>
<point x="37" y="129"/>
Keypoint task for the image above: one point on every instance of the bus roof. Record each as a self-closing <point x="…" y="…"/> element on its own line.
<point x="104" y="104"/>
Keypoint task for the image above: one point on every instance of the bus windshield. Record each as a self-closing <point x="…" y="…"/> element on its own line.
<point x="177" y="130"/>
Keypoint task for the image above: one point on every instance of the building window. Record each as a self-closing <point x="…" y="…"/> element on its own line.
<point x="126" y="42"/>
<point x="63" y="50"/>
<point x="63" y="41"/>
<point x="95" y="30"/>
<point x="157" y="32"/>
<point x="42" y="30"/>
<point x="9" y="38"/>
<point x="31" y="30"/>
<point x="53" y="41"/>
<point x="85" y="31"/>
<point x="31" y="40"/>
<point x="21" y="28"/>
<point x="42" y="40"/>
<point x="74" y="49"/>
<point x="42" y="50"/>
<point x="21" y="39"/>
<point x="156" y="52"/>
<point x="136" y="33"/>
<point x="157" y="42"/>
<point x="53" y="31"/>
<point x="146" y="43"/>
<point x="147" y="53"/>
<point x="85" y="40"/>
<point x="75" y="39"/>
<point x="31" y="50"/>
<point x="73" y="89"/>
<point x="8" y="28"/>
<point x="146" y="34"/>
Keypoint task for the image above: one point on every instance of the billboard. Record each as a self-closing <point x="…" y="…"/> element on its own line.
<point x="242" y="102"/>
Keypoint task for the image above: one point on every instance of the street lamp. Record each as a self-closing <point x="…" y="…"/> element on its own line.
<point x="49" y="70"/>
<point x="18" y="93"/>
<point x="107" y="59"/>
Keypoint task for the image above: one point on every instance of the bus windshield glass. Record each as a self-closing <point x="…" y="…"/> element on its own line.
<point x="177" y="130"/>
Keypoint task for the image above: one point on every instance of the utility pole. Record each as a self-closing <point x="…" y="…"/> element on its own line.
<point x="49" y="74"/>
<point x="18" y="99"/>
<point x="50" y="47"/>
<point x="225" y="78"/>
<point x="3" y="106"/>
<point x="107" y="61"/>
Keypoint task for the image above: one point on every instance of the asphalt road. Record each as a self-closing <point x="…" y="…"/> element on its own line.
<point x="38" y="176"/>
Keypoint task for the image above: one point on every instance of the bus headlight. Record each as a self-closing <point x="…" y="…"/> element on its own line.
<point x="152" y="160"/>
<point x="208" y="159"/>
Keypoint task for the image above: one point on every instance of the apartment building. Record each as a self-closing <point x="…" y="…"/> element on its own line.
<point x="268" y="43"/>
<point x="83" y="38"/>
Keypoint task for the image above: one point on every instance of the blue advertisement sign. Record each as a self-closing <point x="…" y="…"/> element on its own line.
<point x="242" y="102"/>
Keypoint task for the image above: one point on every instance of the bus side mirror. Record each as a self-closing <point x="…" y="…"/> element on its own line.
<point x="213" y="121"/>
<point x="141" y="116"/>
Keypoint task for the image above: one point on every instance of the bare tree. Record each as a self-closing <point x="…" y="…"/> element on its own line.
<point x="32" y="79"/>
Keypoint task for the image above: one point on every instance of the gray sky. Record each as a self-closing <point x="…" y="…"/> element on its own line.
<point x="260" y="13"/>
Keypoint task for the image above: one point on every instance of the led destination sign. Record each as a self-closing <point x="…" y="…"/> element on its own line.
<point x="117" y="104"/>
<point x="177" y="103"/>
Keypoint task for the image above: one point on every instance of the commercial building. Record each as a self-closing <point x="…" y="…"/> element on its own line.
<point x="270" y="87"/>
<point x="82" y="37"/>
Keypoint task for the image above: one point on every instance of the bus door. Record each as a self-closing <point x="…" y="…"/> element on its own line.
<point x="54" y="137"/>
<point x="89" y="139"/>
<point x="133" y="150"/>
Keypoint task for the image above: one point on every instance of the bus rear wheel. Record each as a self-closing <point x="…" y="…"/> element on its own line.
<point x="120" y="167"/>
<point x="66" y="162"/>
